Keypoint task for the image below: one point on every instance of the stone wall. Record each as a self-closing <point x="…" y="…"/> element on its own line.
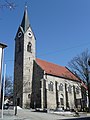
<point x="36" y="85"/>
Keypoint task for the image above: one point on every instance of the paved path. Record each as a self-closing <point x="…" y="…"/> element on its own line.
<point x="32" y="115"/>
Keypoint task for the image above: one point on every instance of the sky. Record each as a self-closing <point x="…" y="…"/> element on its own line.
<point x="61" y="28"/>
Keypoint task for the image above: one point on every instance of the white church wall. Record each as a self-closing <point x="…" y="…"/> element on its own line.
<point x="51" y="95"/>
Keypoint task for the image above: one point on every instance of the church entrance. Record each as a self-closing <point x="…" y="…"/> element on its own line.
<point x="61" y="101"/>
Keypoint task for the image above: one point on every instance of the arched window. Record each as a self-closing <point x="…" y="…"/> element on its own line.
<point x="77" y="90"/>
<point x="61" y="87"/>
<point x="50" y="86"/>
<point x="70" y="89"/>
<point x="29" y="47"/>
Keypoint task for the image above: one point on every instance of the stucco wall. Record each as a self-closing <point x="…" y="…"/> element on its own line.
<point x="51" y="95"/>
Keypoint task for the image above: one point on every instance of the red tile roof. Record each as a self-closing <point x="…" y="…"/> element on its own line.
<point x="56" y="70"/>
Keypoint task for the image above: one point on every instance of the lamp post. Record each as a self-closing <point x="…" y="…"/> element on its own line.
<point x="2" y="46"/>
<point x="3" y="89"/>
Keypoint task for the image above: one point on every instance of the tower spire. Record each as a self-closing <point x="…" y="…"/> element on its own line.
<point x="25" y="21"/>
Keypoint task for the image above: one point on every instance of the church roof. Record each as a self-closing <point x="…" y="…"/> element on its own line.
<point x="25" y="21"/>
<point x="56" y="70"/>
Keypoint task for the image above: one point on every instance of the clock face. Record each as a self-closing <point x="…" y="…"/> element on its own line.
<point x="30" y="34"/>
<point x="19" y="34"/>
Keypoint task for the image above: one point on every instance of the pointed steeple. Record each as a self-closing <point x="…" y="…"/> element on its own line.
<point x="25" y="21"/>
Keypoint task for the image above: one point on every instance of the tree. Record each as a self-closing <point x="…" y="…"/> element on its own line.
<point x="8" y="86"/>
<point x="79" y="65"/>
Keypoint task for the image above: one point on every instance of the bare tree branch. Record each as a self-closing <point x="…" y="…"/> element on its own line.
<point x="79" y="65"/>
<point x="10" y="4"/>
<point x="8" y="86"/>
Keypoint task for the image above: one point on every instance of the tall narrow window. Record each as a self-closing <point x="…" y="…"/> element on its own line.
<point x="29" y="47"/>
<point x="61" y="87"/>
<point x="50" y="86"/>
<point x="77" y="90"/>
<point x="29" y="95"/>
<point x="70" y="89"/>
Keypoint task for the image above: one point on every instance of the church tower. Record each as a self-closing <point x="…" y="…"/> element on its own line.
<point x="23" y="63"/>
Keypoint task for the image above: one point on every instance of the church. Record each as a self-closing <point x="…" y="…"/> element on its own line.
<point x="39" y="83"/>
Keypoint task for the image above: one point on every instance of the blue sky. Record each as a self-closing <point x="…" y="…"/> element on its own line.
<point x="61" y="27"/>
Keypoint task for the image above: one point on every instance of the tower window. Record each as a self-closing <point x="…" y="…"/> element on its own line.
<point x="29" y="47"/>
<point x="29" y="95"/>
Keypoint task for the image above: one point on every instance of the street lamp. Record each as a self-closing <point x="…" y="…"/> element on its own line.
<point x="2" y="46"/>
